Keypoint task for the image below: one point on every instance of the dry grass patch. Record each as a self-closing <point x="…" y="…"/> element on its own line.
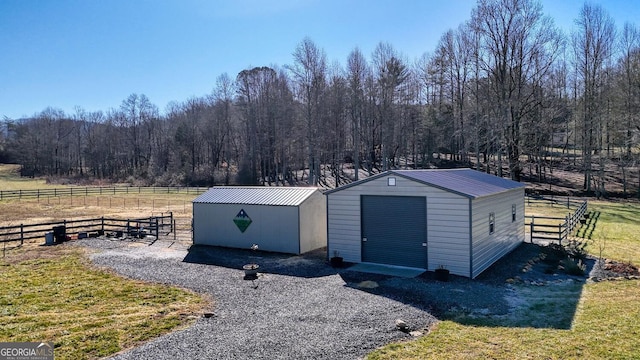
<point x="545" y="208"/>
<point x="60" y="208"/>
<point x="53" y="208"/>
<point x="10" y="179"/>
<point x="54" y="294"/>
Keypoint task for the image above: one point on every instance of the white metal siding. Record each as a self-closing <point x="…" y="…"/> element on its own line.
<point x="488" y="248"/>
<point x="447" y="222"/>
<point x="313" y="223"/>
<point x="273" y="228"/>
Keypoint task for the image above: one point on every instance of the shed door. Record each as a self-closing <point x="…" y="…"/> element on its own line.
<point x="394" y="230"/>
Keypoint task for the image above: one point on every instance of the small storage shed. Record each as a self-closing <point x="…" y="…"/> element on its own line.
<point x="460" y="219"/>
<point x="280" y="219"/>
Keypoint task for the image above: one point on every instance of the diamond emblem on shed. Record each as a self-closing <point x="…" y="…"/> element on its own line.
<point x="242" y="220"/>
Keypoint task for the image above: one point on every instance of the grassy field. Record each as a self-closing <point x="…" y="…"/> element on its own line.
<point x="10" y="179"/>
<point x="615" y="226"/>
<point x="54" y="294"/>
<point x="605" y="327"/>
<point x="67" y="207"/>
<point x="545" y="208"/>
<point x="604" y="324"/>
<point x="616" y="229"/>
<point x="49" y="208"/>
<point x="57" y="208"/>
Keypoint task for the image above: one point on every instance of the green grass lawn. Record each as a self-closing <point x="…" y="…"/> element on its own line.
<point x="606" y="326"/>
<point x="617" y="230"/>
<point x="603" y="324"/>
<point x="54" y="294"/>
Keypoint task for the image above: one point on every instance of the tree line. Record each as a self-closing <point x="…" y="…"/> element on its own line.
<point x="506" y="92"/>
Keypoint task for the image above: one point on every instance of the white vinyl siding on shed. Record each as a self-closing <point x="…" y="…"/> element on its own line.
<point x="447" y="228"/>
<point x="488" y="248"/>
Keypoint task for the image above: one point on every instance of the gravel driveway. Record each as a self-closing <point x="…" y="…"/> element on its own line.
<point x="302" y="308"/>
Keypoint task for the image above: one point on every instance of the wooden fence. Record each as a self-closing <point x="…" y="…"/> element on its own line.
<point x="553" y="201"/>
<point x="549" y="228"/>
<point x="153" y="225"/>
<point x="139" y="202"/>
<point x="96" y="190"/>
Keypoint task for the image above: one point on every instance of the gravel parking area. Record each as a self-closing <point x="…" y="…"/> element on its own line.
<point x="301" y="308"/>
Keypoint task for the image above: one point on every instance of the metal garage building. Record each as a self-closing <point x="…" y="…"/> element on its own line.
<point x="281" y="219"/>
<point x="460" y="219"/>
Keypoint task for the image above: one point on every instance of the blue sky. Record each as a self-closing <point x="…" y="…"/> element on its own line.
<point x="93" y="54"/>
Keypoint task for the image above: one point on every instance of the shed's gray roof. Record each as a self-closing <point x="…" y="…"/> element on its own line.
<point x="274" y="196"/>
<point x="466" y="182"/>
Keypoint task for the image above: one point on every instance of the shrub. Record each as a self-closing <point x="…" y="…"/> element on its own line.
<point x="576" y="249"/>
<point x="569" y="258"/>
<point x="573" y="267"/>
<point x="553" y="253"/>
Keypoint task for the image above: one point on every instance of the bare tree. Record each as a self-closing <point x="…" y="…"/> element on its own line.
<point x="253" y="88"/>
<point x="391" y="74"/>
<point x="136" y="114"/>
<point x="357" y="70"/>
<point x="593" y="44"/>
<point x="455" y="47"/>
<point x="223" y="129"/>
<point x="627" y="90"/>
<point x="309" y="72"/>
<point x="520" y="46"/>
<point x="630" y="51"/>
<point x="4" y="132"/>
<point x="335" y="127"/>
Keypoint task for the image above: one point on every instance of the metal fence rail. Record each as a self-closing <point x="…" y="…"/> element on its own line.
<point x="97" y="190"/>
<point x="555" y="228"/>
<point x="154" y="225"/>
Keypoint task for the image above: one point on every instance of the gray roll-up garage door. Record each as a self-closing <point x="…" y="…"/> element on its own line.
<point x="394" y="230"/>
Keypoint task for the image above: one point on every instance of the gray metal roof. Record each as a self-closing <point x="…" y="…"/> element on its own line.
<point x="273" y="196"/>
<point x="466" y="182"/>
